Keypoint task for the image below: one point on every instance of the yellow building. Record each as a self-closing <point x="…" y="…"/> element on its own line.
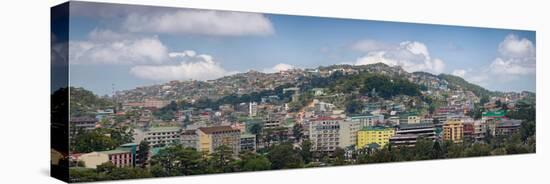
<point x="453" y="131"/>
<point x="211" y="138"/>
<point x="378" y="135"/>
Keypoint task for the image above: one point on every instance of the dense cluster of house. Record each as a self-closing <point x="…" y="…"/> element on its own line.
<point x="327" y="129"/>
<point x="399" y="121"/>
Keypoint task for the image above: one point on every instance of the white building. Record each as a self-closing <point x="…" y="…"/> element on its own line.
<point x="252" y="109"/>
<point x="162" y="135"/>
<point x="328" y="133"/>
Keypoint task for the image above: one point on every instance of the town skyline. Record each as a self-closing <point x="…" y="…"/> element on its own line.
<point x="130" y="53"/>
<point x="203" y="92"/>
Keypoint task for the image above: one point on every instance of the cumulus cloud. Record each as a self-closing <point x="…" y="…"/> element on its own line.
<point x="107" y="47"/>
<point x="517" y="57"/>
<point x="516" y="61"/>
<point x="187" y="53"/>
<point x="193" y="66"/>
<point x="410" y="55"/>
<point x="199" y="22"/>
<point x="279" y="67"/>
<point x="514" y="47"/>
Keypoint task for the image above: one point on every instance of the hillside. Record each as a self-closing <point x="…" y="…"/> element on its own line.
<point x="83" y="102"/>
<point x="456" y="82"/>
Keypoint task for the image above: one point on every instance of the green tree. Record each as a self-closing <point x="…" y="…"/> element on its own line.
<point x="143" y="153"/>
<point x="423" y="149"/>
<point x="221" y="160"/>
<point x="339" y="157"/>
<point x="93" y="141"/>
<point x="177" y="160"/>
<point x="437" y="151"/>
<point x="354" y="107"/>
<point x="297" y="131"/>
<point x="305" y="151"/>
<point x="256" y="129"/>
<point x="284" y="156"/>
<point x="527" y="130"/>
<point x="254" y="162"/>
<point x="478" y="149"/>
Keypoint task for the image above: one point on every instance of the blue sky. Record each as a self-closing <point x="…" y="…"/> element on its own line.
<point x="130" y="46"/>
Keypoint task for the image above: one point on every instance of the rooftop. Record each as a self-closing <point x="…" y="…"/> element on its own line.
<point x="326" y="118"/>
<point x="164" y="129"/>
<point x="498" y="113"/>
<point x="116" y="151"/>
<point x="376" y="128"/>
<point x="216" y="129"/>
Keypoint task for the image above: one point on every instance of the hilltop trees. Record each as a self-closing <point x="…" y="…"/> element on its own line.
<point x="84" y="102"/>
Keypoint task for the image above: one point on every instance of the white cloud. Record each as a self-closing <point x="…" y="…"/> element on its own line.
<point x="514" y="47"/>
<point x="199" y="22"/>
<point x="107" y="47"/>
<point x="459" y="72"/>
<point x="517" y="57"/>
<point x="410" y="55"/>
<point x="187" y="53"/>
<point x="279" y="67"/>
<point x="516" y="61"/>
<point x="196" y="67"/>
<point x="512" y="67"/>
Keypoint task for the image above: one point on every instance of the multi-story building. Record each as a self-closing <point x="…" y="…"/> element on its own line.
<point x="211" y="138"/>
<point x="162" y="135"/>
<point x="324" y="133"/>
<point x="507" y="127"/>
<point x="120" y="157"/>
<point x="133" y="148"/>
<point x="413" y="119"/>
<point x="153" y="103"/>
<point x="480" y="129"/>
<point x="348" y="133"/>
<point x="403" y="140"/>
<point x="469" y="130"/>
<point x="367" y="120"/>
<point x="453" y="131"/>
<point x="189" y="139"/>
<point x="248" y="142"/>
<point x="252" y="109"/>
<point x="374" y="135"/>
<point x="271" y="123"/>
<point x="81" y="124"/>
<point x="407" y="134"/>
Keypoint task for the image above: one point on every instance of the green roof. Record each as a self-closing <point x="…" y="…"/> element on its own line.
<point x="116" y="151"/>
<point x="494" y="113"/>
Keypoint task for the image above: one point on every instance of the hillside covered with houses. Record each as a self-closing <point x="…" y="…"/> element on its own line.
<point x="330" y="115"/>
